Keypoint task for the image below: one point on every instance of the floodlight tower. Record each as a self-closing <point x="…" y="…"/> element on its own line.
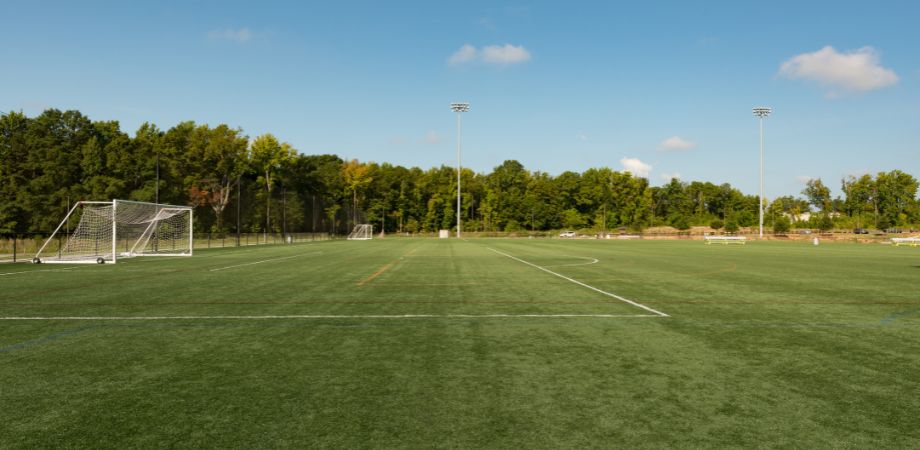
<point x="459" y="108"/>
<point x="761" y="112"/>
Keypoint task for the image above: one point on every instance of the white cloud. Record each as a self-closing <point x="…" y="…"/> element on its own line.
<point x="465" y="54"/>
<point x="501" y="55"/>
<point x="856" y="71"/>
<point x="676" y="144"/>
<point x="804" y="179"/>
<point x="431" y="138"/>
<point x="505" y="54"/>
<point x="636" y="167"/>
<point x="239" y="36"/>
<point x="582" y="136"/>
<point x="668" y="176"/>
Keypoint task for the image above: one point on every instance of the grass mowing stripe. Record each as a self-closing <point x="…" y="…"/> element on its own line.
<point x="338" y="316"/>
<point x="264" y="261"/>
<point x="609" y="294"/>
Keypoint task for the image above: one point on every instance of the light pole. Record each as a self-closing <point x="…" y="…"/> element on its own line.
<point x="761" y="112"/>
<point x="459" y="108"/>
<point x="157" y="194"/>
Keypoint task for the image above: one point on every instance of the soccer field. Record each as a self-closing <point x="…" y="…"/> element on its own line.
<point x="481" y="343"/>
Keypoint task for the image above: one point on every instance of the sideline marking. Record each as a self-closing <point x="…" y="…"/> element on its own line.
<point x="339" y="316"/>
<point x="33" y="271"/>
<point x="264" y="261"/>
<point x="609" y="294"/>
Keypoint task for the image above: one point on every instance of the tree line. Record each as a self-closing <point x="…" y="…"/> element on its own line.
<point x="49" y="162"/>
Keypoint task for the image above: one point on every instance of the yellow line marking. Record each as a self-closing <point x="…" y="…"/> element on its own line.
<point x="385" y="268"/>
<point x="375" y="275"/>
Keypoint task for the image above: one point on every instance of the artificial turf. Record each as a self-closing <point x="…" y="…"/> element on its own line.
<point x="765" y="345"/>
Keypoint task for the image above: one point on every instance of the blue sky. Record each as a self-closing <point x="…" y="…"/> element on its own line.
<point x="659" y="87"/>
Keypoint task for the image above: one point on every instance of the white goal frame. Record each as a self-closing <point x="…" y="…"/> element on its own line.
<point x="362" y="232"/>
<point x="144" y="228"/>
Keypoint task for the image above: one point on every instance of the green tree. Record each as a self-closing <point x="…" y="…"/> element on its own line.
<point x="897" y="202"/>
<point x="781" y="224"/>
<point x="268" y="156"/>
<point x="356" y="177"/>
<point x="818" y="194"/>
<point x="219" y="156"/>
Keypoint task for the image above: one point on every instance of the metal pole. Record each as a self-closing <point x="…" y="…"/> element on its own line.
<point x="157" y="195"/>
<point x="239" y="201"/>
<point x="761" y="112"/>
<point x="283" y="215"/>
<point x="760" y="200"/>
<point x="459" y="168"/>
<point x="459" y="108"/>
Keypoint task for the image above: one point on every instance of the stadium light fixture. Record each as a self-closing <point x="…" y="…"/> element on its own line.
<point x="761" y="112"/>
<point x="459" y="108"/>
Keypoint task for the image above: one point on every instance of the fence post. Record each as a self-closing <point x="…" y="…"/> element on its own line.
<point x="14" y="248"/>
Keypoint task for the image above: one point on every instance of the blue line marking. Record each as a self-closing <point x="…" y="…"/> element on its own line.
<point x="898" y="315"/>
<point x="44" y="339"/>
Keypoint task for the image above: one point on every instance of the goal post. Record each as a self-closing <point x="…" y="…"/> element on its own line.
<point x="362" y="232"/>
<point x="107" y="231"/>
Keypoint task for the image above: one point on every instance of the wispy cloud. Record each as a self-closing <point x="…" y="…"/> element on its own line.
<point x="668" y="176"/>
<point x="804" y="179"/>
<point x="582" y="136"/>
<point x="499" y="55"/>
<point x="849" y="72"/>
<point x="486" y="22"/>
<point x="240" y="35"/>
<point x="505" y="54"/>
<point x="636" y="167"/>
<point x="431" y="138"/>
<point x="676" y="144"/>
<point x="465" y="54"/>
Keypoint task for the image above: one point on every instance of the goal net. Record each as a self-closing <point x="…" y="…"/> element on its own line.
<point x="107" y="231"/>
<point x="361" y="232"/>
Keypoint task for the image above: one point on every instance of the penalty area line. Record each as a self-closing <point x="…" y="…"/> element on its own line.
<point x="345" y="316"/>
<point x="609" y="294"/>
<point x="264" y="261"/>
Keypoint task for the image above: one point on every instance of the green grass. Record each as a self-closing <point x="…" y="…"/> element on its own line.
<point x="765" y="345"/>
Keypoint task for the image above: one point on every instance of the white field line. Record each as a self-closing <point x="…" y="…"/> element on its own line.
<point x="338" y="316"/>
<point x="609" y="294"/>
<point x="264" y="261"/>
<point x="592" y="261"/>
<point x="33" y="271"/>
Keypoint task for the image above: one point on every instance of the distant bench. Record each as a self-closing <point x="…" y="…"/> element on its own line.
<point x="725" y="239"/>
<point x="911" y="241"/>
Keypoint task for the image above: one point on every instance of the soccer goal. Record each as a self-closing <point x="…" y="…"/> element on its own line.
<point x="362" y="232"/>
<point x="107" y="231"/>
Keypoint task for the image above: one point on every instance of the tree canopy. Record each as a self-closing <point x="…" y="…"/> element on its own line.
<point x="51" y="161"/>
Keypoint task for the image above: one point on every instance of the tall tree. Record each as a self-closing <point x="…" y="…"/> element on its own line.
<point x="268" y="156"/>
<point x="818" y="194"/>
<point x="219" y="155"/>
<point x="356" y="177"/>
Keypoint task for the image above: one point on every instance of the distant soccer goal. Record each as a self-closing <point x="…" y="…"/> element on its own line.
<point x="107" y="231"/>
<point x="362" y="232"/>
